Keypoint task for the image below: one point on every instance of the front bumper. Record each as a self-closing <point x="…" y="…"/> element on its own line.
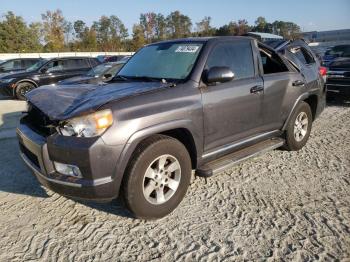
<point x="5" y="89"/>
<point x="96" y="160"/>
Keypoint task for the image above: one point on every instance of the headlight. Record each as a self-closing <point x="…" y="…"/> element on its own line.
<point x="87" y="126"/>
<point x="7" y="80"/>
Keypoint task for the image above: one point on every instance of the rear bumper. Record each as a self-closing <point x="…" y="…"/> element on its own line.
<point x="96" y="161"/>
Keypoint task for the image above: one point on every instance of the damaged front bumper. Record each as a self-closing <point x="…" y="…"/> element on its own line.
<point x="96" y="161"/>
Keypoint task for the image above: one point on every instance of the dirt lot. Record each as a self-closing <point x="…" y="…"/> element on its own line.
<point x="294" y="206"/>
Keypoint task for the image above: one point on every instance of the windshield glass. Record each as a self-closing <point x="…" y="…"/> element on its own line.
<point x="36" y="66"/>
<point x="99" y="70"/>
<point x="163" y="61"/>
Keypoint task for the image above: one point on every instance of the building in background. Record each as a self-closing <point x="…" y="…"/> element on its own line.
<point x="264" y="36"/>
<point x="327" y="36"/>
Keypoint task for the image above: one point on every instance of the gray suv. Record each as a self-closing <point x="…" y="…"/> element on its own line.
<point x="198" y="104"/>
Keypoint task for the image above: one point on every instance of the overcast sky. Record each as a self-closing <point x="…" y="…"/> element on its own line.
<point x="310" y="15"/>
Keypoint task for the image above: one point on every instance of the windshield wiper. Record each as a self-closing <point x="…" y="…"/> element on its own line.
<point x="146" y="78"/>
<point x="120" y="77"/>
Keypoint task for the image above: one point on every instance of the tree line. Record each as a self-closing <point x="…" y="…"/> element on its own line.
<point x="55" y="34"/>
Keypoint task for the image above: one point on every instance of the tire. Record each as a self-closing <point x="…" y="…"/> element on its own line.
<point x="142" y="192"/>
<point x="298" y="131"/>
<point x="22" y="89"/>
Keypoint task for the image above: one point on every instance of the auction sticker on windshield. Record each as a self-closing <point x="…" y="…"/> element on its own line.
<point x="187" y="49"/>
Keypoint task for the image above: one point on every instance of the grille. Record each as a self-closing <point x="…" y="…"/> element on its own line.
<point x="33" y="158"/>
<point x="39" y="122"/>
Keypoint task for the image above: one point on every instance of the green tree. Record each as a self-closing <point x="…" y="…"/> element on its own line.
<point x="204" y="28"/>
<point x="228" y="29"/>
<point x="288" y="30"/>
<point x="53" y="30"/>
<point x="179" y="25"/>
<point x="16" y="36"/>
<point x="260" y="24"/>
<point x="138" y="37"/>
<point x="110" y="33"/>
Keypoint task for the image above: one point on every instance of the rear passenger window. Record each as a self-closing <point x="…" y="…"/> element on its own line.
<point x="76" y="64"/>
<point x="304" y="56"/>
<point x="271" y="62"/>
<point x="237" y="56"/>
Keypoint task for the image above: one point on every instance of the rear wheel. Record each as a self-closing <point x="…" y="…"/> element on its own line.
<point x="157" y="178"/>
<point x="22" y="89"/>
<point x="299" y="127"/>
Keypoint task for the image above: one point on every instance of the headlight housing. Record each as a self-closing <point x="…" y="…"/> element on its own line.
<point x="87" y="126"/>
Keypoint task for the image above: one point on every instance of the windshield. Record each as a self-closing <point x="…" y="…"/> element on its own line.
<point x="36" y="66"/>
<point x="163" y="61"/>
<point x="99" y="70"/>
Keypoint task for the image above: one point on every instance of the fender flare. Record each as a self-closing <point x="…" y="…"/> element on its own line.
<point x="140" y="135"/>
<point x="297" y="102"/>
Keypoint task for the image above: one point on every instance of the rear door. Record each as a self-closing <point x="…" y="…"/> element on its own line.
<point x="282" y="84"/>
<point x="77" y="66"/>
<point x="232" y="110"/>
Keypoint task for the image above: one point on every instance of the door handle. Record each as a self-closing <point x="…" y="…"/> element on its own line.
<point x="298" y="83"/>
<point x="257" y="89"/>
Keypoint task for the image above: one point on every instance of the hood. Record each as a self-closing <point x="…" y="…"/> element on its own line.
<point x="16" y="74"/>
<point x="79" y="80"/>
<point x="64" y="102"/>
<point x="12" y="74"/>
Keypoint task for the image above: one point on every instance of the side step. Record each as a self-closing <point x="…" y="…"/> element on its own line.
<point x="219" y="165"/>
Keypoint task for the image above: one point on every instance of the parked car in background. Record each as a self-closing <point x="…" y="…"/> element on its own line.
<point x="44" y="72"/>
<point x="18" y="64"/>
<point x="200" y="104"/>
<point x="338" y="78"/>
<point x="335" y="52"/>
<point x="99" y="74"/>
<point x="112" y="58"/>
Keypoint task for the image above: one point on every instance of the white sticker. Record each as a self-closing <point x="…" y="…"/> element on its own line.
<point x="187" y="49"/>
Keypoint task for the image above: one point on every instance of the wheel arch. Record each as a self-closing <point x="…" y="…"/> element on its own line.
<point x="310" y="99"/>
<point x="23" y="81"/>
<point x="178" y="129"/>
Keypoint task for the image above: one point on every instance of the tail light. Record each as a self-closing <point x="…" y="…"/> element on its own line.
<point x="323" y="71"/>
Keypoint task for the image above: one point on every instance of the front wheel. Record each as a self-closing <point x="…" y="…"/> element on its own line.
<point x="22" y="89"/>
<point x="299" y="127"/>
<point x="157" y="177"/>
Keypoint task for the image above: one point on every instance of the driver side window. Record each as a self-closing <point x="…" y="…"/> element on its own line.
<point x="54" y="66"/>
<point x="237" y="56"/>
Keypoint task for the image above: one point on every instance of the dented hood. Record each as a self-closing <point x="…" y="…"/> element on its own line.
<point x="64" y="102"/>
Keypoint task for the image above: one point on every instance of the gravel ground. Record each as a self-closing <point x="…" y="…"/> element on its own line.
<point x="281" y="205"/>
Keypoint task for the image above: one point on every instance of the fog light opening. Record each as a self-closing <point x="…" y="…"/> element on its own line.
<point x="69" y="170"/>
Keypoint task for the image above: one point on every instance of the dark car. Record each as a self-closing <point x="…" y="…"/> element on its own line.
<point x="18" y="64"/>
<point x="112" y="58"/>
<point x="201" y="104"/>
<point x="338" y="78"/>
<point x="335" y="52"/>
<point x="99" y="74"/>
<point x="44" y="72"/>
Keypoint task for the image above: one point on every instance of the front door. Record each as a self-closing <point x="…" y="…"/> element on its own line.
<point x="232" y="110"/>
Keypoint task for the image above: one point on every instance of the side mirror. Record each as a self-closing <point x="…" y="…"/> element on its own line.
<point x="43" y="70"/>
<point x="218" y="74"/>
<point x="107" y="76"/>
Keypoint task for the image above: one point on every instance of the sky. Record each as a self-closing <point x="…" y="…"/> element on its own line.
<point x="310" y="15"/>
